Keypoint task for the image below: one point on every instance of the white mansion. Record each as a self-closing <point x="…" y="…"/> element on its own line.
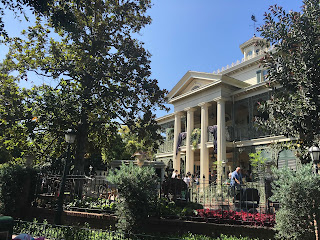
<point x="212" y="127"/>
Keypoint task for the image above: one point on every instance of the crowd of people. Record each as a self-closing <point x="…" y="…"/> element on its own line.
<point x="188" y="178"/>
<point x="235" y="178"/>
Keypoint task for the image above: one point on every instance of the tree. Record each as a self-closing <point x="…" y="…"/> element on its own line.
<point x="58" y="12"/>
<point x="15" y="119"/>
<point x="137" y="188"/>
<point x="299" y="196"/>
<point x="258" y="163"/>
<point x="294" y="65"/>
<point x="102" y="73"/>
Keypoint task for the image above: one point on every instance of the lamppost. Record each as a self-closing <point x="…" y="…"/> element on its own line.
<point x="90" y="168"/>
<point x="315" y="155"/>
<point x="70" y="137"/>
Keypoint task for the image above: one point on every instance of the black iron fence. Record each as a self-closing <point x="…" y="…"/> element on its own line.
<point x="250" y="197"/>
<point x="81" y="193"/>
<point x="98" y="195"/>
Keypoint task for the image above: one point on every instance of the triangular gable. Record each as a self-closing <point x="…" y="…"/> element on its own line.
<point x="190" y="80"/>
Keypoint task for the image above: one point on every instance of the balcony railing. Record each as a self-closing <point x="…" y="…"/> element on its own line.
<point x="237" y="133"/>
<point x="166" y="147"/>
<point x="229" y="134"/>
<point x="247" y="132"/>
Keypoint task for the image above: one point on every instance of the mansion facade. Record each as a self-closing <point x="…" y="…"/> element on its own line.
<point x="212" y="127"/>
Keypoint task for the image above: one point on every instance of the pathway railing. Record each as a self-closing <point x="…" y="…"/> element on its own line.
<point x="249" y="197"/>
<point x="94" y="193"/>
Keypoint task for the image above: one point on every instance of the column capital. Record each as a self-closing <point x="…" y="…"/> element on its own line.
<point x="178" y="113"/>
<point x="204" y="104"/>
<point x="190" y="109"/>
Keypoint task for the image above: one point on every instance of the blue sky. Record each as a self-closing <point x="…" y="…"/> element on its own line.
<point x="198" y="35"/>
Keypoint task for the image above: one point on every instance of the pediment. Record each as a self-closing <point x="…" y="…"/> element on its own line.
<point x="192" y="81"/>
<point x="195" y="82"/>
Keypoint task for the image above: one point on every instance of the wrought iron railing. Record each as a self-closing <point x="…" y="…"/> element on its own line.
<point x="229" y="134"/>
<point x="247" y="132"/>
<point x="166" y="147"/>
<point x="247" y="197"/>
<point x="82" y="193"/>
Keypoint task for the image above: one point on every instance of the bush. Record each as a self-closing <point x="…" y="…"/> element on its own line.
<point x="17" y="188"/>
<point x="191" y="236"/>
<point x="299" y="196"/>
<point x="137" y="189"/>
<point x="177" y="209"/>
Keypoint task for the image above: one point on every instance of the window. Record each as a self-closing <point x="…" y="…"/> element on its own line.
<point x="195" y="87"/>
<point x="261" y="75"/>
<point x="249" y="54"/>
<point x="257" y="51"/>
<point x="258" y="76"/>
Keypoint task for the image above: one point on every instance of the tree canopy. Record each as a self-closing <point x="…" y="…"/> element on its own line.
<point x="102" y="72"/>
<point x="294" y="65"/>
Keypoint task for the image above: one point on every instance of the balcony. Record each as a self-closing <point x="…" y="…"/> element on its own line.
<point x="229" y="134"/>
<point x="166" y="147"/>
<point x="247" y="132"/>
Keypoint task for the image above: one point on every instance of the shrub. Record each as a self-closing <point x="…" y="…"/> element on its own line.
<point x="17" y="188"/>
<point x="137" y="189"/>
<point x="191" y="236"/>
<point x="299" y="196"/>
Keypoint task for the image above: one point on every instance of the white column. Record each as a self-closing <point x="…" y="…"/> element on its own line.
<point x="177" y="130"/>
<point x="189" y="148"/>
<point x="204" y="152"/>
<point x="221" y="137"/>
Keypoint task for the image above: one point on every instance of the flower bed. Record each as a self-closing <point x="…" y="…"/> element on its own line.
<point x="233" y="217"/>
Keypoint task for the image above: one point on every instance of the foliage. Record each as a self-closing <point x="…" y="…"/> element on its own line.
<point x="74" y="233"/>
<point x="17" y="188"/>
<point x="63" y="232"/>
<point x="15" y="120"/>
<point x="102" y="76"/>
<point x="191" y="236"/>
<point x="195" y="137"/>
<point x="132" y="143"/>
<point x="258" y="163"/>
<point x="176" y="209"/>
<point x="170" y="133"/>
<point x="93" y="203"/>
<point x="293" y="64"/>
<point x="137" y="188"/>
<point x="233" y="217"/>
<point x="299" y="196"/>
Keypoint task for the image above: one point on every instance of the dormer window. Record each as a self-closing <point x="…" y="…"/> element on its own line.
<point x="249" y="54"/>
<point x="261" y="75"/>
<point x="257" y="51"/>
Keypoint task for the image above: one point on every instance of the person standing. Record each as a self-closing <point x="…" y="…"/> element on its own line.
<point x="236" y="181"/>
<point x="236" y="178"/>
<point x="174" y="174"/>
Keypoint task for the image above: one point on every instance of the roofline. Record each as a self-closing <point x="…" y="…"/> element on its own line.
<point x="223" y="79"/>
<point x="165" y="118"/>
<point x="189" y="75"/>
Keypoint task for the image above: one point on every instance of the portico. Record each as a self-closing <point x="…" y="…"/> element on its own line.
<point x="206" y="96"/>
